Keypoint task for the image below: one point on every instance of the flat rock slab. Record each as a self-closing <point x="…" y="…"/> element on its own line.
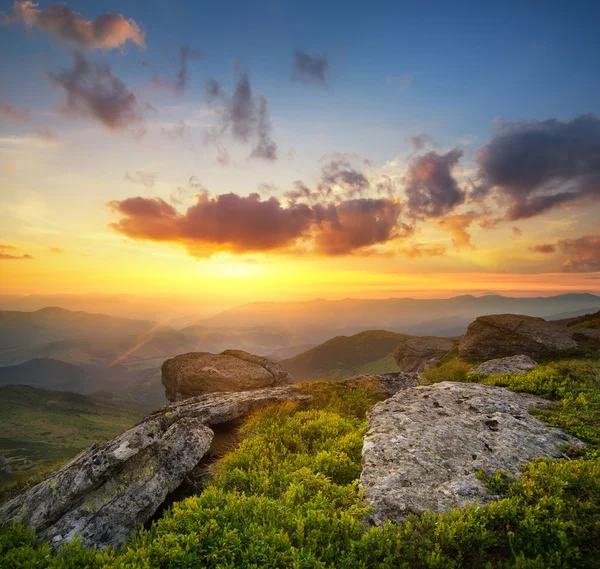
<point x="425" y="444"/>
<point x="500" y="366"/>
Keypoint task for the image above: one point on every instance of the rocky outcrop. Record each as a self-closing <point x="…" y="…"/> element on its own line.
<point x="197" y="373"/>
<point x="500" y="366"/>
<point x="390" y="382"/>
<point x="425" y="445"/>
<point x="420" y="353"/>
<point x="503" y="335"/>
<point x="109" y="491"/>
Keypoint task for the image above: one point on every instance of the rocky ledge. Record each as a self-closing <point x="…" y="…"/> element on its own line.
<point x="425" y="445"/>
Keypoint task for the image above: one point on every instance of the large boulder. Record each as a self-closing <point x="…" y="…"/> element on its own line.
<point x="425" y="445"/>
<point x="109" y="491"/>
<point x="513" y="364"/>
<point x="502" y="335"/>
<point x="196" y="373"/>
<point x="420" y="353"/>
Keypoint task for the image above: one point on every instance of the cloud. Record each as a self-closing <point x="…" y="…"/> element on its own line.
<point x="457" y="225"/>
<point x="419" y="250"/>
<point x="420" y="141"/>
<point x="238" y="224"/>
<point x="354" y="225"/>
<point x="579" y="255"/>
<point x="545" y="248"/>
<point x="177" y="131"/>
<point x="57" y="250"/>
<point x="13" y="114"/>
<point x="431" y="189"/>
<point x="310" y="68"/>
<point x="245" y="116"/>
<point x="46" y="134"/>
<point x="516" y="232"/>
<point x="107" y="31"/>
<point x="147" y="179"/>
<point x="8" y="253"/>
<point x="93" y="91"/>
<point x="180" y="83"/>
<point x="539" y="165"/>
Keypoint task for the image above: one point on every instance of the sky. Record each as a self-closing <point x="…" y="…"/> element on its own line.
<point x="286" y="150"/>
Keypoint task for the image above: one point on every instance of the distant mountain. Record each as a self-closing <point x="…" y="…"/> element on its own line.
<point x="20" y="329"/>
<point x="344" y="356"/>
<point x="40" y="427"/>
<point x="286" y="353"/>
<point x="319" y="319"/>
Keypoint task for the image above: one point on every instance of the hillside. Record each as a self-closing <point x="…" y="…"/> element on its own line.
<point x="40" y="427"/>
<point x="19" y="329"/>
<point x="344" y="356"/>
<point x="321" y="319"/>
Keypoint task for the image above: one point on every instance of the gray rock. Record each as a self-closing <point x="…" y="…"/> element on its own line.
<point x="425" y="444"/>
<point x="109" y="491"/>
<point x="512" y="364"/>
<point x="420" y="353"/>
<point x="502" y="335"/>
<point x="197" y="373"/>
<point x="390" y="382"/>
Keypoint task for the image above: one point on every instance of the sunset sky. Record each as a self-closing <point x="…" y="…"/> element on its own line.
<point x="277" y="150"/>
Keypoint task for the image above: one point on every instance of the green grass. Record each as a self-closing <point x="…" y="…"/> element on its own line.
<point x="287" y="497"/>
<point x="593" y="323"/>
<point x="450" y="368"/>
<point x="40" y="427"/>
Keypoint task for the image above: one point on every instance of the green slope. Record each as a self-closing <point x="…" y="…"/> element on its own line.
<point x="39" y="427"/>
<point x="344" y="356"/>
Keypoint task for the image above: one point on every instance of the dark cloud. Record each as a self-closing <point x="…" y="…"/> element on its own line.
<point x="583" y="254"/>
<point x="420" y="141"/>
<point x="9" y="253"/>
<point x="180" y="83"/>
<point x="310" y="68"/>
<point x="147" y="179"/>
<point x="340" y="173"/>
<point x="245" y="116"/>
<point x="537" y="166"/>
<point x="579" y="255"/>
<point x="229" y="222"/>
<point x="93" y="91"/>
<point x="107" y="31"/>
<point x="13" y="114"/>
<point x="353" y="225"/>
<point x="545" y="248"/>
<point x="431" y="189"/>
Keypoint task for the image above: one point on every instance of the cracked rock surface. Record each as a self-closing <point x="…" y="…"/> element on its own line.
<point x="197" y="373"/>
<point x="512" y="364"/>
<point x="425" y="444"/>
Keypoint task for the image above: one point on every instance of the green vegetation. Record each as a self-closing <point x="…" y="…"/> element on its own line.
<point x="346" y="356"/>
<point x="287" y="497"/>
<point x="40" y="427"/>
<point x="450" y="368"/>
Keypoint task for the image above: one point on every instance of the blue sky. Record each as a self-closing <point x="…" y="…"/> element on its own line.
<point x="454" y="71"/>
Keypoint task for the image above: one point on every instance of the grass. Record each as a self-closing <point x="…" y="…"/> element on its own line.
<point x="287" y="497"/>
<point x="41" y="427"/>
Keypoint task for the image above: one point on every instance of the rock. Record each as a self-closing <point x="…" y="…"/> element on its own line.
<point x="425" y="444"/>
<point x="390" y="382"/>
<point x="512" y="364"/>
<point x="109" y="491"/>
<point x="196" y="373"/>
<point x="502" y="335"/>
<point x="420" y="353"/>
